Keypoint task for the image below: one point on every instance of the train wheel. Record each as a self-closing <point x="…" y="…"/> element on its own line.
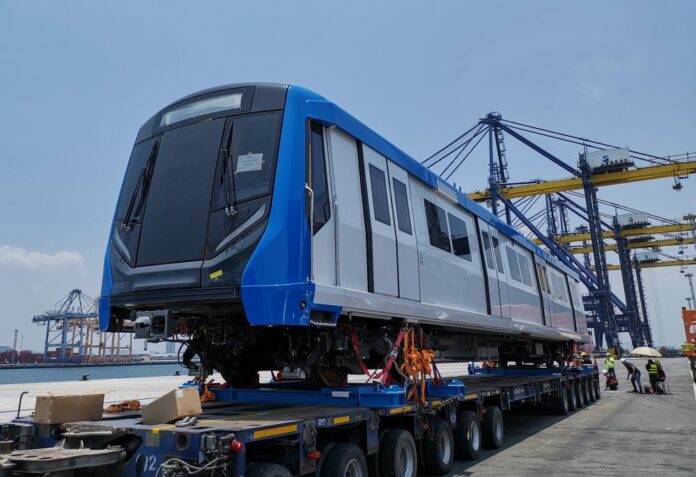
<point x="438" y="447"/>
<point x="467" y="435"/>
<point x="492" y="429"/>
<point x="344" y="460"/>
<point x="397" y="454"/>
<point x="239" y="375"/>
<point x="267" y="470"/>
<point x="328" y="377"/>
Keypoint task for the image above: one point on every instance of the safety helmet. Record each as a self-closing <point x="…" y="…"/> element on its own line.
<point x="604" y="371"/>
<point x="623" y="360"/>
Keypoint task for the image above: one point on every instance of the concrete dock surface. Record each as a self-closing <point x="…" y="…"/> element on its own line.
<point x="621" y="434"/>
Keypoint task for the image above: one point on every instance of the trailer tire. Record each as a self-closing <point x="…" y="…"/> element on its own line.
<point x="560" y="402"/>
<point x="267" y="470"/>
<point x="598" y="391"/>
<point x="493" y="430"/>
<point x="437" y="447"/>
<point x="467" y="435"/>
<point x="398" y="456"/>
<point x="572" y="398"/>
<point x="577" y="389"/>
<point x="590" y="390"/>
<point x="344" y="459"/>
<point x="585" y="394"/>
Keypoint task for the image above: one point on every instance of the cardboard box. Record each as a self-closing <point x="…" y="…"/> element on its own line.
<point x="62" y="408"/>
<point x="172" y="406"/>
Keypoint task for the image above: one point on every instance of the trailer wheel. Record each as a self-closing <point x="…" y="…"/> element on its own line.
<point x="397" y="456"/>
<point x="467" y="435"/>
<point x="267" y="470"/>
<point x="577" y="389"/>
<point x="590" y="390"/>
<point x="492" y="429"/>
<point x="560" y="403"/>
<point x="585" y="395"/>
<point x="437" y="447"/>
<point x="572" y="398"/>
<point x="344" y="460"/>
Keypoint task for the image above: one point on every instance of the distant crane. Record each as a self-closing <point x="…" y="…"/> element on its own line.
<point x="71" y="329"/>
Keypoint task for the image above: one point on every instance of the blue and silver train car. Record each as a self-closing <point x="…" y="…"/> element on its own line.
<point x="264" y="227"/>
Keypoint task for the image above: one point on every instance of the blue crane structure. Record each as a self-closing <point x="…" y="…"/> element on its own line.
<point x="65" y="327"/>
<point x="609" y="315"/>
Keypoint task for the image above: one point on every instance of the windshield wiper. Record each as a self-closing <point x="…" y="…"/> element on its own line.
<point x="228" y="181"/>
<point x="144" y="180"/>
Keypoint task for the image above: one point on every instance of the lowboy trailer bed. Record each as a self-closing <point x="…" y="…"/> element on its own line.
<point x="280" y="430"/>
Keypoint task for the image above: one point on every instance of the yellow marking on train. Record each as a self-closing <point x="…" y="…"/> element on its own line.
<point x="275" y="431"/>
<point x="400" y="410"/>
<point x="216" y="274"/>
<point x="341" y="420"/>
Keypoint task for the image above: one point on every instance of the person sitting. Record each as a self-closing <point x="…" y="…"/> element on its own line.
<point x="654" y="376"/>
<point x="612" y="383"/>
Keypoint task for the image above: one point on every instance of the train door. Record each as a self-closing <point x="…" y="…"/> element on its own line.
<point x="406" y="247"/>
<point x="498" y="253"/>
<point x="381" y="221"/>
<point x="348" y="263"/>
<point x="493" y="285"/>
<point x="323" y="233"/>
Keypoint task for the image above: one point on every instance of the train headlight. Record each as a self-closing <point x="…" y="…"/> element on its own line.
<point x="204" y="106"/>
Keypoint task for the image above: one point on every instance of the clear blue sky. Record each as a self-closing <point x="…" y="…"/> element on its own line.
<point x="77" y="79"/>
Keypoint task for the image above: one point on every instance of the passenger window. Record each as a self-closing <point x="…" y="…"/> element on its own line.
<point x="460" y="238"/>
<point x="487" y="250"/>
<point x="403" y="216"/>
<point x="514" y="265"/>
<point x="542" y="279"/>
<point x="498" y="256"/>
<point x="524" y="268"/>
<point x="318" y="180"/>
<point x="380" y="199"/>
<point x="437" y="226"/>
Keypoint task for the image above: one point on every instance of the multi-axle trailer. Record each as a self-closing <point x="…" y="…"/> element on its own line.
<point x="284" y="429"/>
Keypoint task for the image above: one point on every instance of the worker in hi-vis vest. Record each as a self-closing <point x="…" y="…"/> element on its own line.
<point x="609" y="364"/>
<point x="654" y="375"/>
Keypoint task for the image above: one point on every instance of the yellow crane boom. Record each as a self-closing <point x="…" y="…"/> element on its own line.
<point x="651" y="243"/>
<point x="678" y="169"/>
<point x="666" y="263"/>
<point x="608" y="234"/>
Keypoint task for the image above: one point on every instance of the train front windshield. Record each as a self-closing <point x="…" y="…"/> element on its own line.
<point x="191" y="187"/>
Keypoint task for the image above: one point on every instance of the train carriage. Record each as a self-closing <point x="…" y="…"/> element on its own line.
<point x="266" y="228"/>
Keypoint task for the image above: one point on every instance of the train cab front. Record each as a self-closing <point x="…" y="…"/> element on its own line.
<point x="194" y="205"/>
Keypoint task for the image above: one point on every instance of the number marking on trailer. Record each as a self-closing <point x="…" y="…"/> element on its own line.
<point x="275" y="431"/>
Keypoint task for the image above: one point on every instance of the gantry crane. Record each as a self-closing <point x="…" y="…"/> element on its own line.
<point x="588" y="177"/>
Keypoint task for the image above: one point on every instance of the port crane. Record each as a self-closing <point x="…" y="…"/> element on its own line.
<point x="514" y="200"/>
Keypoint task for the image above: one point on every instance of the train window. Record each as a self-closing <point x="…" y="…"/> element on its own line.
<point x="437" y="226"/>
<point x="524" y="268"/>
<point x="542" y="279"/>
<point x="514" y="265"/>
<point x="498" y="256"/>
<point x="402" y="214"/>
<point x="318" y="181"/>
<point x="487" y="250"/>
<point x="380" y="199"/>
<point x="460" y="237"/>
